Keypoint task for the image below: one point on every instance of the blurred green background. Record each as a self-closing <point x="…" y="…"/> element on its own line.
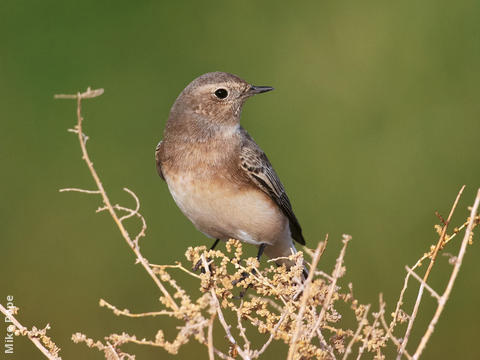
<point x="373" y="126"/>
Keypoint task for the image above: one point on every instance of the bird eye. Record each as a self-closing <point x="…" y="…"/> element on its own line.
<point x="221" y="93"/>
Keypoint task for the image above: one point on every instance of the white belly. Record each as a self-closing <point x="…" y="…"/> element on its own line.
<point x="222" y="210"/>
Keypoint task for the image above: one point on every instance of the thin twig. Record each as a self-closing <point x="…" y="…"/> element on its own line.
<point x="420" y="280"/>
<point x="303" y="301"/>
<point x="88" y="94"/>
<point x="127" y="312"/>
<point x="332" y="286"/>
<point x="113" y="351"/>
<point x="400" y="298"/>
<point x="257" y="353"/>
<point x="361" y="324"/>
<point x="427" y="273"/>
<point x="80" y="190"/>
<point x="372" y="328"/>
<point x="176" y="266"/>
<point x="24" y="330"/>
<point x="389" y="335"/>
<point x="221" y="318"/>
<point x="242" y="330"/>
<point x="85" y="156"/>
<point x="211" y="355"/>
<point x="451" y="281"/>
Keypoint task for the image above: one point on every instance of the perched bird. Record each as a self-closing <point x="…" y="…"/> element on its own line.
<point x="218" y="176"/>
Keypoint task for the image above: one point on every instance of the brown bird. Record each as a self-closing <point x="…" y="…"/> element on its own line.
<point x="218" y="176"/>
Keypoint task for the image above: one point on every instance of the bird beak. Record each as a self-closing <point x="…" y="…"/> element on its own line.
<point x="259" y="89"/>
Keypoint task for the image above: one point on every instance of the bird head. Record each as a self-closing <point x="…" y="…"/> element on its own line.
<point x="215" y="98"/>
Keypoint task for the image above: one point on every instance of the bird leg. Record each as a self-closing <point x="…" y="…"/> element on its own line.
<point x="261" y="249"/>
<point x="199" y="262"/>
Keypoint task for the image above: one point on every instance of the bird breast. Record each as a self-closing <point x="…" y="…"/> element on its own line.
<point x="223" y="209"/>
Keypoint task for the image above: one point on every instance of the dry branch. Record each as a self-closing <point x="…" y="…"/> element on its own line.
<point x="38" y="337"/>
<point x="433" y="257"/>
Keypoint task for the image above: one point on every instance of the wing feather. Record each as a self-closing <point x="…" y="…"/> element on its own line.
<point x="258" y="168"/>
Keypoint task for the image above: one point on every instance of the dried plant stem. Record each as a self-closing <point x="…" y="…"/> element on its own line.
<point x="24" y="330"/>
<point x="333" y="284"/>
<point x="127" y="313"/>
<point x="388" y="334"/>
<point x="113" y="351"/>
<point x="211" y="355"/>
<point x="227" y="327"/>
<point x="132" y="243"/>
<point x="303" y="301"/>
<point x="458" y="263"/>
<point x="372" y="328"/>
<point x="361" y="324"/>
<point x="257" y="353"/>
<point x="421" y="281"/>
<point x="425" y="277"/>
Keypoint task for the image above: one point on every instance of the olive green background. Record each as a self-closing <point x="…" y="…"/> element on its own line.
<point x="374" y="125"/>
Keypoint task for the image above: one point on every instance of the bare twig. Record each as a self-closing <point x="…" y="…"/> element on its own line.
<point x="361" y="324"/>
<point x="176" y="266"/>
<point x="88" y="94"/>
<point x="335" y="275"/>
<point x="211" y="355"/>
<point x="24" y="331"/>
<point x="133" y="243"/>
<point x="80" y="190"/>
<point x="420" y="280"/>
<point x="127" y="313"/>
<point x="303" y="301"/>
<point x="113" y="351"/>
<point x="257" y="353"/>
<point x="243" y="331"/>
<point x="376" y="317"/>
<point x="443" y="299"/>
<point x="389" y="335"/>
<point x="427" y="273"/>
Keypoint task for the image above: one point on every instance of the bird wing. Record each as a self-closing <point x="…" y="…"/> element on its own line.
<point x="158" y="160"/>
<point x="256" y="165"/>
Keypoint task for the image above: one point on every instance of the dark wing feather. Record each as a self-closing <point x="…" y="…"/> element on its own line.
<point x="255" y="163"/>
<point x="158" y="160"/>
